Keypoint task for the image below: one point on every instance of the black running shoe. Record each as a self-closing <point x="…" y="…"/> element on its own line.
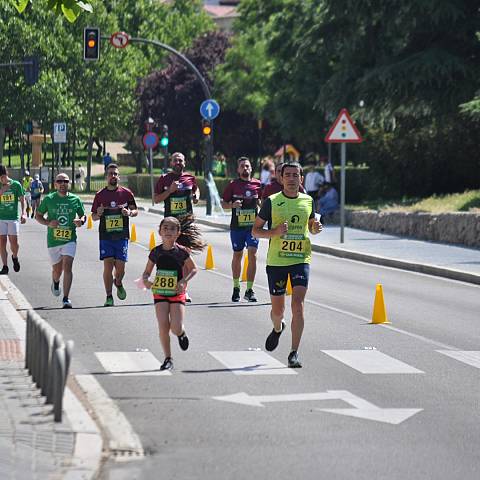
<point x="183" y="341"/>
<point x="4" y="271"/>
<point x="236" y="294"/>
<point x="250" y="295"/>
<point x="16" y="264"/>
<point x="167" y="364"/>
<point x="66" y="303"/>
<point x="293" y="361"/>
<point x="272" y="340"/>
<point x="188" y="298"/>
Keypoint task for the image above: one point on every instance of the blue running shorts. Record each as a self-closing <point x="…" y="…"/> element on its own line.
<point x="117" y="249"/>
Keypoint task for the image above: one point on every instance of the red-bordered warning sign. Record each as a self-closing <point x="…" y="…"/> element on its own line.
<point x="343" y="130"/>
<point x="119" y="39"/>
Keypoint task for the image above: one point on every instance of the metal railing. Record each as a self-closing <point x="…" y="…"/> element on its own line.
<point x="47" y="360"/>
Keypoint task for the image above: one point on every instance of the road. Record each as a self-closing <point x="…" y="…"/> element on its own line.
<point x="372" y="401"/>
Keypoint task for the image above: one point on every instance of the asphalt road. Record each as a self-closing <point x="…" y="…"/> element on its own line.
<point x="403" y="397"/>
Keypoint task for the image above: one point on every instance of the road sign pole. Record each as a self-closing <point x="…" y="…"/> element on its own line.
<point x="342" y="190"/>
<point x="150" y="164"/>
<point x="59" y="157"/>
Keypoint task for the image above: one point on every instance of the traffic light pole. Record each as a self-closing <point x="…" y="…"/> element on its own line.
<point x="206" y="92"/>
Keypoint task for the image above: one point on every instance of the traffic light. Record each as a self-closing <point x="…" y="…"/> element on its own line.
<point x="31" y="70"/>
<point x="206" y="128"/>
<point x="164" y="138"/>
<point x="91" y="43"/>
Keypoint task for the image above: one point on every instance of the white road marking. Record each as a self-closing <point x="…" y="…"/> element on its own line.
<point x="119" y="432"/>
<point x="371" y="361"/>
<point x="127" y="364"/>
<point x="251" y="363"/>
<point x="362" y="408"/>
<point x="470" y="357"/>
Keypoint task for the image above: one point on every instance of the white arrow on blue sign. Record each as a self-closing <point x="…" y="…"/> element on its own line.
<point x="209" y="109"/>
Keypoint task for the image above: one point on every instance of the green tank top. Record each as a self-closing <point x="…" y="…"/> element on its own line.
<point x="294" y="247"/>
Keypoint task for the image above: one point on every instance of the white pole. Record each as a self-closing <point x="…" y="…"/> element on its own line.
<point x="150" y="155"/>
<point x="342" y="191"/>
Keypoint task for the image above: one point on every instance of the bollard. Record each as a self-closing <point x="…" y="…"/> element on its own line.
<point x="28" y="340"/>
<point x="58" y="382"/>
<point x="42" y="354"/>
<point x="57" y="343"/>
<point x="46" y="354"/>
<point x="68" y="358"/>
<point x="35" y="350"/>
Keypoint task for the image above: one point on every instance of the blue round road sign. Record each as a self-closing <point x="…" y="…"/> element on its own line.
<point x="209" y="109"/>
<point x="150" y="140"/>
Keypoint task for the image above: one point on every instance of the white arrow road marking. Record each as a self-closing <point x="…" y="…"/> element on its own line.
<point x="362" y="408"/>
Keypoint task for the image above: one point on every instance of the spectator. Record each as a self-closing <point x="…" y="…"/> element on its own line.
<point x="80" y="177"/>
<point x="107" y="160"/>
<point x="267" y="172"/>
<point x="328" y="171"/>
<point x="328" y="200"/>
<point x="313" y="181"/>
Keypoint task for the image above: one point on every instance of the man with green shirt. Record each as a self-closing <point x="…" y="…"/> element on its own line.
<point x="290" y="216"/>
<point x="62" y="212"/>
<point x="11" y="192"/>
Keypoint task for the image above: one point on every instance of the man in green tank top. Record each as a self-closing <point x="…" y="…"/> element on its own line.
<point x="11" y="193"/>
<point x="62" y="212"/>
<point x="290" y="216"/>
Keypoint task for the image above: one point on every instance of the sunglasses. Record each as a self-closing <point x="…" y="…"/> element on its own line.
<point x="62" y="181"/>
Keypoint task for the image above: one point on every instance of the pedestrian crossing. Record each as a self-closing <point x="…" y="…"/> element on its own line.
<point x="258" y="362"/>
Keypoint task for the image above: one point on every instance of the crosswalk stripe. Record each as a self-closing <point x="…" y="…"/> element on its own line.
<point x="371" y="361"/>
<point x="130" y="363"/>
<point x="470" y="357"/>
<point x="255" y="362"/>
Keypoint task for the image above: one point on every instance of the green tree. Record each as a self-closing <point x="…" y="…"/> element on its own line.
<point x="71" y="9"/>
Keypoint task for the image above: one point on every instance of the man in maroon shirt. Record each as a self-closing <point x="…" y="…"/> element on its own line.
<point x="177" y="189"/>
<point x="113" y="205"/>
<point x="242" y="196"/>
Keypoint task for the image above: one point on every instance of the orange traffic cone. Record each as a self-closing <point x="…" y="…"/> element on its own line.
<point x="245" y="268"/>
<point x="289" y="286"/>
<point x="209" y="263"/>
<point x="89" y="222"/>
<point x="379" y="314"/>
<point x="133" y="233"/>
<point x="152" y="244"/>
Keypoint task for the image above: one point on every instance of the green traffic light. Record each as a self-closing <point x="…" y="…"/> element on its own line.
<point x="164" y="142"/>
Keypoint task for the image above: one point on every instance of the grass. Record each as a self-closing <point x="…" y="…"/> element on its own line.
<point x="468" y="201"/>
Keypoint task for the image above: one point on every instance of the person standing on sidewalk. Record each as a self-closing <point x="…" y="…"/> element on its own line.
<point x="65" y="213"/>
<point x="11" y="192"/>
<point x="113" y="205"/>
<point x="242" y="196"/>
<point x="177" y="189"/>
<point x="290" y="216"/>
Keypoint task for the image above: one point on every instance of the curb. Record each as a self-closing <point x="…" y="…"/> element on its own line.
<point x="87" y="453"/>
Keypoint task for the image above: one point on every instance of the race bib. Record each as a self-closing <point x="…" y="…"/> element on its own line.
<point x="114" y="223"/>
<point x="62" y="234"/>
<point x="246" y="218"/>
<point x="7" y="198"/>
<point x="165" y="283"/>
<point x="292" y="246"/>
<point x="178" y="205"/>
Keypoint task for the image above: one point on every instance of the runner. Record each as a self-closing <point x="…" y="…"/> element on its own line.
<point x="178" y="190"/>
<point x="37" y="189"/>
<point x="290" y="216"/>
<point x="275" y="185"/>
<point x="113" y="205"/>
<point x="26" y="183"/>
<point x="174" y="268"/>
<point x="11" y="192"/>
<point x="242" y="195"/>
<point x="64" y="214"/>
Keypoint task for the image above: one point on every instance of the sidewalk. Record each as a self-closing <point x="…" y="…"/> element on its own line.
<point x="32" y="445"/>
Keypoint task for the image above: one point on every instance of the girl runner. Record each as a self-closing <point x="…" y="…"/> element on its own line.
<point x="174" y="268"/>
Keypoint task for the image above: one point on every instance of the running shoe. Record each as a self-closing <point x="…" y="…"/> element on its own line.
<point x="236" y="294"/>
<point x="188" y="298"/>
<point x="121" y="293"/>
<point x="293" y="361"/>
<point x="66" y="303"/>
<point x="250" y="295"/>
<point x="108" y="301"/>
<point x="16" y="264"/>
<point x="272" y="340"/>
<point x="167" y="364"/>
<point x="183" y="341"/>
<point x="55" y="288"/>
<point x="4" y="270"/>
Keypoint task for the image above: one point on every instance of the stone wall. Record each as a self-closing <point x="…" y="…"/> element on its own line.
<point x="458" y="227"/>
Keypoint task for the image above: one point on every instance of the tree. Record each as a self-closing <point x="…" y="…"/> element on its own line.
<point x="71" y="9"/>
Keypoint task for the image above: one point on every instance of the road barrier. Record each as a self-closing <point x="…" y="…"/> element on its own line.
<point x="47" y="360"/>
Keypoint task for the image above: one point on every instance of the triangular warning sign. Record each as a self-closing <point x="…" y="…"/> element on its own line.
<point x="343" y="130"/>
